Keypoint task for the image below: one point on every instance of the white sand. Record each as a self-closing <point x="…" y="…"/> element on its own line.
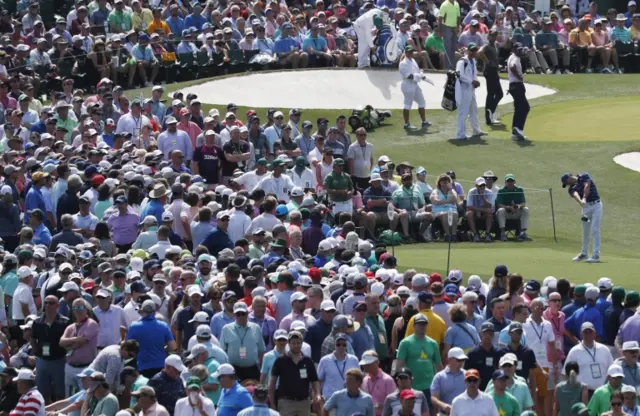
<point x="629" y="160"/>
<point x="331" y="89"/>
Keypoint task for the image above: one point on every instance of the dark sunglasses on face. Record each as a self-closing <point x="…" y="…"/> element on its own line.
<point x="341" y="344"/>
<point x="616" y="404"/>
<point x="403" y="377"/>
<point x="471" y="380"/>
<point x="240" y="314"/>
<point x="78" y="308"/>
<point x="555" y="300"/>
<point x="50" y="302"/>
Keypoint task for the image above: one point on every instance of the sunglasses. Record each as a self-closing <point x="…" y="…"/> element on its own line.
<point x="341" y="344"/>
<point x="279" y="118"/>
<point x="507" y="365"/>
<point x="223" y="219"/>
<point x="50" y="302"/>
<point x="78" y="308"/>
<point x="471" y="380"/>
<point x="616" y="404"/>
<point x="403" y="377"/>
<point x="241" y="314"/>
<point x="555" y="300"/>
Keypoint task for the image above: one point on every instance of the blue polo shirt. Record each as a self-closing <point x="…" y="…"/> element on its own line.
<point x="584" y="178"/>
<point x="346" y="405"/>
<point x="153" y="208"/>
<point x="448" y="385"/>
<point x="33" y="200"/>
<point x="176" y="24"/>
<point x="332" y="372"/>
<point x="589" y="313"/>
<point x="42" y="235"/>
<point x="219" y="320"/>
<point x="195" y="21"/>
<point x="317" y="44"/>
<point x="152" y="335"/>
<point x="233" y="400"/>
<point x="285" y="45"/>
<point x="602" y="304"/>
<point x="376" y="194"/>
<point x="314" y="336"/>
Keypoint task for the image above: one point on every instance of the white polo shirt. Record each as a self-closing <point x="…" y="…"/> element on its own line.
<point x="280" y="187"/>
<point x="482" y="405"/>
<point x="250" y="179"/>
<point x="593" y="363"/>
<point x="304" y="181"/>
<point x="538" y="339"/>
<point x="23" y="294"/>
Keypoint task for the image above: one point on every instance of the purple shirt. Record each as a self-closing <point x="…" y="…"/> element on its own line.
<point x="88" y="352"/>
<point x="124" y="228"/>
<point x="287" y="320"/>
<point x="630" y="330"/>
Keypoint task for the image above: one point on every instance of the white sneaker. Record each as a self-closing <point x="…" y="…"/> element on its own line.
<point x="557" y="72"/>
<point x="549" y="71"/>
<point x="567" y="72"/>
<point x="580" y="257"/>
<point x="593" y="259"/>
<point x="479" y="133"/>
<point x="148" y="84"/>
<point x="463" y="138"/>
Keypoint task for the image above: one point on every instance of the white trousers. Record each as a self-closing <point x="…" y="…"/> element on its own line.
<point x="412" y="93"/>
<point x="467" y="107"/>
<point x="594" y="213"/>
<point x="364" y="52"/>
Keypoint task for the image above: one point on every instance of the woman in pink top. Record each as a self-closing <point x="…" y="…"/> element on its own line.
<point x="604" y="47"/>
<point x="556" y="24"/>
<point x="512" y="297"/>
<point x="554" y="315"/>
<point x="189" y="127"/>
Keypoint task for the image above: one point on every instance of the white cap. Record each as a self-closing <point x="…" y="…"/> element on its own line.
<point x="203" y="331"/>
<point x="383" y="275"/>
<point x="419" y="280"/>
<point x="327" y="305"/>
<point x="24" y="272"/>
<point x="480" y="181"/>
<point x="384" y="158"/>
<point x="508" y="358"/>
<point x="198" y="349"/>
<point x="403" y="290"/>
<point x="278" y="114"/>
<point x="398" y="280"/>
<point x="369" y="357"/>
<point x="201" y="317"/>
<point x="456" y="353"/>
<point x="455" y="276"/>
<point x="298" y="296"/>
<point x="297" y="326"/>
<point x="630" y="346"/>
<point x="474" y="282"/>
<point x="136" y="264"/>
<point x="411" y="303"/>
<point x="194" y="290"/>
<point x="377" y="288"/>
<point x="628" y="389"/>
<point x="325" y="245"/>
<point x="69" y="287"/>
<point x="631" y="3"/>
<point x="224" y="370"/>
<point x="615" y="370"/>
<point x="240" y="307"/>
<point x="65" y="266"/>
<point x="174" y="361"/>
<point x="25" y="374"/>
<point x="605" y="283"/>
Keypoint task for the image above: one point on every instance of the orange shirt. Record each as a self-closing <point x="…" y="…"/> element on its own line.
<point x="158" y="25"/>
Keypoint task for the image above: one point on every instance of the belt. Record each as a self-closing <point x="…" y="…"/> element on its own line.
<point x="294" y="399"/>
<point x="593" y="202"/>
<point x="79" y="365"/>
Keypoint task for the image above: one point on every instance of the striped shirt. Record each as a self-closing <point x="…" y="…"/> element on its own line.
<point x="30" y="402"/>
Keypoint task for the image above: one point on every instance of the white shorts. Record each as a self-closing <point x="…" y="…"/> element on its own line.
<point x="412" y="94"/>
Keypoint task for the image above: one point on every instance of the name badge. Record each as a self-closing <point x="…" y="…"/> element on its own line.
<point x="243" y="352"/>
<point x="596" y="372"/>
<point x="488" y="361"/>
<point x="558" y="344"/>
<point x="519" y="365"/>
<point x="381" y="338"/>
<point x="46" y="350"/>
<point x="303" y="373"/>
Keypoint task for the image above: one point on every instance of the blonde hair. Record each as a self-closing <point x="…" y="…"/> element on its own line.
<point x="444" y="177"/>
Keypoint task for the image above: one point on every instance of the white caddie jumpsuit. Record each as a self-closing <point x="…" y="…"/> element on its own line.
<point x="410" y="87"/>
<point x="466" y="96"/>
<point x="364" y="27"/>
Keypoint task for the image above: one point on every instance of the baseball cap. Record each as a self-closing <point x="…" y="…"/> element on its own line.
<point x="487" y="326"/>
<point x="615" y="371"/>
<point x="605" y="283"/>
<point x="407" y="394"/>
<point x="280" y="334"/>
<point x="241" y="307"/>
<point x="508" y="358"/>
<point x="592" y="293"/>
<point x="174" y="361"/>
<point x="327" y="305"/>
<point x="457" y="353"/>
<point x="630" y="346"/>
<point x="420" y="319"/>
<point x="515" y="326"/>
<point x="201" y="317"/>
<point x="472" y="373"/>
<point x="587" y="326"/>
<point x="498" y="374"/>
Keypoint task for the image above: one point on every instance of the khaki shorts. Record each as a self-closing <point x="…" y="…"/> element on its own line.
<point x="543" y="386"/>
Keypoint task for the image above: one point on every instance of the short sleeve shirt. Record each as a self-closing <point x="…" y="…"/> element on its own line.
<point x="421" y="356"/>
<point x="507" y="197"/>
<point x="450" y="13"/>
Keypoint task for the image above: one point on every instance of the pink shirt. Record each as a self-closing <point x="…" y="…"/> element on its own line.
<point x="192" y="130"/>
<point x="379" y="388"/>
<point x="557" y="323"/>
<point x="88" y="352"/>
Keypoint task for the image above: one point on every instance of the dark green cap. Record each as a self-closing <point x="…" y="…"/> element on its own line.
<point x="472" y="46"/>
<point x="194" y="382"/>
<point x="632" y="297"/>
<point x="618" y="293"/>
<point x="580" y="409"/>
<point x="25" y="254"/>
<point x="580" y="289"/>
<point x="262" y="161"/>
<point x="277" y="162"/>
<point x="338" y="162"/>
<point x="408" y="48"/>
<point x="301" y="161"/>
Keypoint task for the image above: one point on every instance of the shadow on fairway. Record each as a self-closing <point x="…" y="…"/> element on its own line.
<point x="524" y="143"/>
<point x="472" y="141"/>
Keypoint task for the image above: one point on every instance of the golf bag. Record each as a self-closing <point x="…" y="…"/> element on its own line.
<point x="449" y="95"/>
<point x="386" y="52"/>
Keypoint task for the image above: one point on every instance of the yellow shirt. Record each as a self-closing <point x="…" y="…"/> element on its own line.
<point x="436" y="328"/>
<point x="141" y="20"/>
<point x="450" y="13"/>
<point x="162" y="25"/>
<point x="634" y="33"/>
<point x="581" y="38"/>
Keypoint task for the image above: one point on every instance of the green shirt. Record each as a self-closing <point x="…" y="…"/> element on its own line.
<point x="212" y="365"/>
<point x="256" y="252"/>
<point x="68" y="124"/>
<point x="421" y="356"/>
<point x="410" y="199"/>
<point x="139" y="382"/>
<point x="108" y="405"/>
<point x="122" y="20"/>
<point x="450" y="13"/>
<point x="339" y="182"/>
<point x="376" y="324"/>
<point x="507" y="404"/>
<point x="507" y="197"/>
<point x="434" y="42"/>
<point x="519" y="389"/>
<point x="599" y="402"/>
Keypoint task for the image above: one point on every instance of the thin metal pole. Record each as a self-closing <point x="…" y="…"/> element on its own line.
<point x="553" y="215"/>
<point x="449" y="249"/>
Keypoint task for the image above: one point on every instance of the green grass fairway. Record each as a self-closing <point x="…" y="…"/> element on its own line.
<point x="582" y="127"/>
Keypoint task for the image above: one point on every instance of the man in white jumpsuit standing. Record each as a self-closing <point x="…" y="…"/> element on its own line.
<point x="466" y="85"/>
<point x="364" y="31"/>
<point x="411" y="76"/>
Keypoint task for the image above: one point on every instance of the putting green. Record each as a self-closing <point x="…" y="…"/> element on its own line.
<point x="603" y="119"/>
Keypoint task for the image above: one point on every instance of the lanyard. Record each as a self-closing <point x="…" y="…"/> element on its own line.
<point x="556" y="323"/>
<point x="539" y="335"/>
<point x="363" y="149"/>
<point x="243" y="336"/>
<point x="593" y="356"/>
<point x="634" y="375"/>
<point x="373" y="385"/>
<point x="344" y="366"/>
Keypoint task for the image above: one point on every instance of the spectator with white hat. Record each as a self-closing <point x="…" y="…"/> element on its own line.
<point x="599" y="402"/>
<point x="22" y="301"/>
<point x="234" y="397"/>
<point x="605" y="285"/>
<point x="449" y="383"/>
<point x="243" y="343"/>
<point x="31" y="400"/>
<point x="593" y="358"/>
<point x="298" y="306"/>
<point x="190" y="317"/>
<point x="167" y="384"/>
<point x="630" y="397"/>
<point x="629" y="363"/>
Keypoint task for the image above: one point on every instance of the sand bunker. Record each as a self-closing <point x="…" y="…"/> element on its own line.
<point x="629" y="160"/>
<point x="330" y="89"/>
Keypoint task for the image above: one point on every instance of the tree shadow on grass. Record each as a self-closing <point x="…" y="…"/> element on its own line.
<point x="475" y="140"/>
